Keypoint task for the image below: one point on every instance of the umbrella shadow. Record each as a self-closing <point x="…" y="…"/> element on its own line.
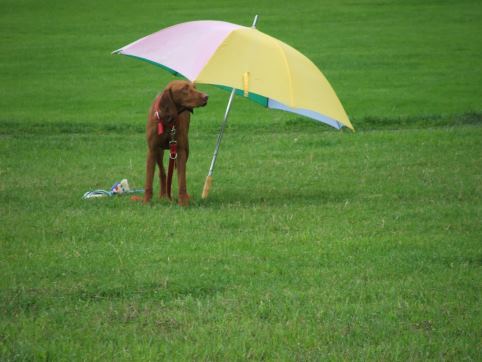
<point x="275" y="198"/>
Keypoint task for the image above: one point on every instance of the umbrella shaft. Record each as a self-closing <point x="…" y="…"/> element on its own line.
<point x="255" y="21"/>
<point x="221" y="132"/>
<point x="223" y="126"/>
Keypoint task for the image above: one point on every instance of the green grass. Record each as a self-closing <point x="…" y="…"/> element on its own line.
<point x="313" y="245"/>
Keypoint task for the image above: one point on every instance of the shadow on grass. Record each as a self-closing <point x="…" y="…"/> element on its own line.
<point x="364" y="123"/>
<point x="165" y="291"/>
<point x="274" y="198"/>
<point x="419" y="122"/>
<point x="33" y="300"/>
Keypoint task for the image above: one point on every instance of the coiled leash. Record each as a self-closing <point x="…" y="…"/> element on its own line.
<point x="118" y="189"/>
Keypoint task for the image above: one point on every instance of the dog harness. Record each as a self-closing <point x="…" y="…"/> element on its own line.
<point x="172" y="136"/>
<point x="172" y="144"/>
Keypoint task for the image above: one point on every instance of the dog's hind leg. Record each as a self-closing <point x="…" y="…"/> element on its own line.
<point x="150" y="169"/>
<point x="181" y="178"/>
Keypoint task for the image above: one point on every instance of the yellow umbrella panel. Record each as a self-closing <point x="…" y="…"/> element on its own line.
<point x="258" y="63"/>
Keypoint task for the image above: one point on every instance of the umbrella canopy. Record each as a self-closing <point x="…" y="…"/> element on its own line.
<point x="256" y="65"/>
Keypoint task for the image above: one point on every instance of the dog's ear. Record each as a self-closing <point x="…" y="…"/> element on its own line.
<point x="166" y="106"/>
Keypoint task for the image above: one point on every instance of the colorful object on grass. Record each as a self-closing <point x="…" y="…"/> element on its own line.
<point x="120" y="187"/>
<point x="256" y="65"/>
<point x="117" y="189"/>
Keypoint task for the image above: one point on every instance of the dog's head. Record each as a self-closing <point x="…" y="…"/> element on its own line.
<point x="180" y="95"/>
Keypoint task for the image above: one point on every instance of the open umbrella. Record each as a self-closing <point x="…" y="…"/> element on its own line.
<point x="245" y="61"/>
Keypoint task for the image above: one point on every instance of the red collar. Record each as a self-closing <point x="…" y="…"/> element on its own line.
<point x="160" y="125"/>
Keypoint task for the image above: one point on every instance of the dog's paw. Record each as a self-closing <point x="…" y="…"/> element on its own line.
<point x="183" y="200"/>
<point x="165" y="198"/>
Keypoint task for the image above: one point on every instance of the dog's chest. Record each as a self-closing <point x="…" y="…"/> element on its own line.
<point x="178" y="133"/>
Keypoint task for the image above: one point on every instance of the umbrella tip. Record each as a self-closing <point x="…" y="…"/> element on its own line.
<point x="255" y="21"/>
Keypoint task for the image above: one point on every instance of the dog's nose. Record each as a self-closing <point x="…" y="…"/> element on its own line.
<point x="205" y="97"/>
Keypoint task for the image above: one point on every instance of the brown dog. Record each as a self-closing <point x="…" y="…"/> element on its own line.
<point x="171" y="108"/>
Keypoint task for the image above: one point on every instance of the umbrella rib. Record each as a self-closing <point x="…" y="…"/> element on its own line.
<point x="290" y="77"/>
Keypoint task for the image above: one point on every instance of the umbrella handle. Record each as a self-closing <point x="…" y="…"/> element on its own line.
<point x="207" y="186"/>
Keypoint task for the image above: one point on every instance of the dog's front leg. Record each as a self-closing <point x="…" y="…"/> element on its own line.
<point x="181" y="177"/>
<point x="150" y="169"/>
<point x="162" y="174"/>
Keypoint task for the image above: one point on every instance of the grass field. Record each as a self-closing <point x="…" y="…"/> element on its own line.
<point x="313" y="245"/>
